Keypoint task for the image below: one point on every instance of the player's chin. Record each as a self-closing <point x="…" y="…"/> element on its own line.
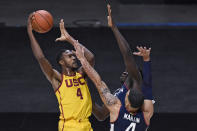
<point x="127" y="108"/>
<point x="122" y="79"/>
<point x="75" y="65"/>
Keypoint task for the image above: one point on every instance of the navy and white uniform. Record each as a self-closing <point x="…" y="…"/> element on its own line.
<point x="127" y="121"/>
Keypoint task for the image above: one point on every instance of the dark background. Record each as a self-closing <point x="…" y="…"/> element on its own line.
<point x="25" y="88"/>
<point x="28" y="97"/>
<point x="169" y="27"/>
<point x="158" y="1"/>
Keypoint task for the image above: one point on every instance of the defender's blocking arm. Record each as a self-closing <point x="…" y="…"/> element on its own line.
<point x="125" y="50"/>
<point x="147" y="75"/>
<point x="147" y="107"/>
<point x="108" y="99"/>
<point x="65" y="36"/>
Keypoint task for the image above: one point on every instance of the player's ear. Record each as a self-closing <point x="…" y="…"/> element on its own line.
<point x="61" y="62"/>
<point x="74" y="52"/>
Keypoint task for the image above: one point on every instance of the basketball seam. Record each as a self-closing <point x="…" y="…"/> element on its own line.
<point x="45" y="19"/>
<point x="40" y="26"/>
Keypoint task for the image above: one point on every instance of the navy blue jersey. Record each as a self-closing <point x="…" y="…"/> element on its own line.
<point x="127" y="121"/>
<point x="121" y="92"/>
<point x="146" y="83"/>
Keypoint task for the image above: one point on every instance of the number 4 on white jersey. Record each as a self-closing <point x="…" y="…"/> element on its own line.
<point x="132" y="125"/>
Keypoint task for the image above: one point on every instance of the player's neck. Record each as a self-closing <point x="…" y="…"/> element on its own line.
<point x="133" y="113"/>
<point x="68" y="71"/>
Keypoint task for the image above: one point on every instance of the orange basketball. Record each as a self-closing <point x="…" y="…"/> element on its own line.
<point x="42" y="21"/>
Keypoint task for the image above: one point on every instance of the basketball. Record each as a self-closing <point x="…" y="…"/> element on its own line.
<point x="42" y="21"/>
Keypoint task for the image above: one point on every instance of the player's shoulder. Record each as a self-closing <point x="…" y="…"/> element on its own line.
<point x="120" y="91"/>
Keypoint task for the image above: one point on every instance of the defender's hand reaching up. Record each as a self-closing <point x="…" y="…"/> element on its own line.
<point x="144" y="52"/>
<point x="64" y="34"/>
<point x="109" y="17"/>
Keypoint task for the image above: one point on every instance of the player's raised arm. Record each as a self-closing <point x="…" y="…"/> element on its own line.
<point x="129" y="61"/>
<point x="147" y="107"/>
<point x="145" y="54"/>
<point x="110" y="101"/>
<point x="46" y="67"/>
<point x="65" y="36"/>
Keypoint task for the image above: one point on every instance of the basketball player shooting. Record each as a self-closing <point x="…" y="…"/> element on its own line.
<point x="70" y="86"/>
<point x="130" y="112"/>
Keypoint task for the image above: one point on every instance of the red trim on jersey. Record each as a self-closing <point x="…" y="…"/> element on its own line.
<point x="126" y="86"/>
<point x="63" y="126"/>
<point x="70" y="75"/>
<point x="62" y="109"/>
<point x="60" y="83"/>
<point x="81" y="74"/>
<point x="145" y="120"/>
<point x="117" y="116"/>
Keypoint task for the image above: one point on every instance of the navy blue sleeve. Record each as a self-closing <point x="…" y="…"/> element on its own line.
<point x="147" y="81"/>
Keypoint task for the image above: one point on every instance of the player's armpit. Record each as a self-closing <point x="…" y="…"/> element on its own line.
<point x="82" y="72"/>
<point x="57" y="75"/>
<point x="48" y="71"/>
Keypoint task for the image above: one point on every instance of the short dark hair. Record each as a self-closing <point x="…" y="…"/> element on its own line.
<point x="59" y="56"/>
<point x="136" y="98"/>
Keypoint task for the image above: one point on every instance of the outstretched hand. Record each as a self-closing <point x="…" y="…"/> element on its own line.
<point x="64" y="34"/>
<point x="144" y="52"/>
<point x="109" y="17"/>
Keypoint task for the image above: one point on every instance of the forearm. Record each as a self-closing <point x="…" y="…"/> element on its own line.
<point x="88" y="55"/>
<point x="147" y="80"/>
<point x="127" y="55"/>
<point x="92" y="74"/>
<point x="104" y="92"/>
<point x="122" y="43"/>
<point x="35" y="46"/>
<point x="147" y="73"/>
<point x="44" y="63"/>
